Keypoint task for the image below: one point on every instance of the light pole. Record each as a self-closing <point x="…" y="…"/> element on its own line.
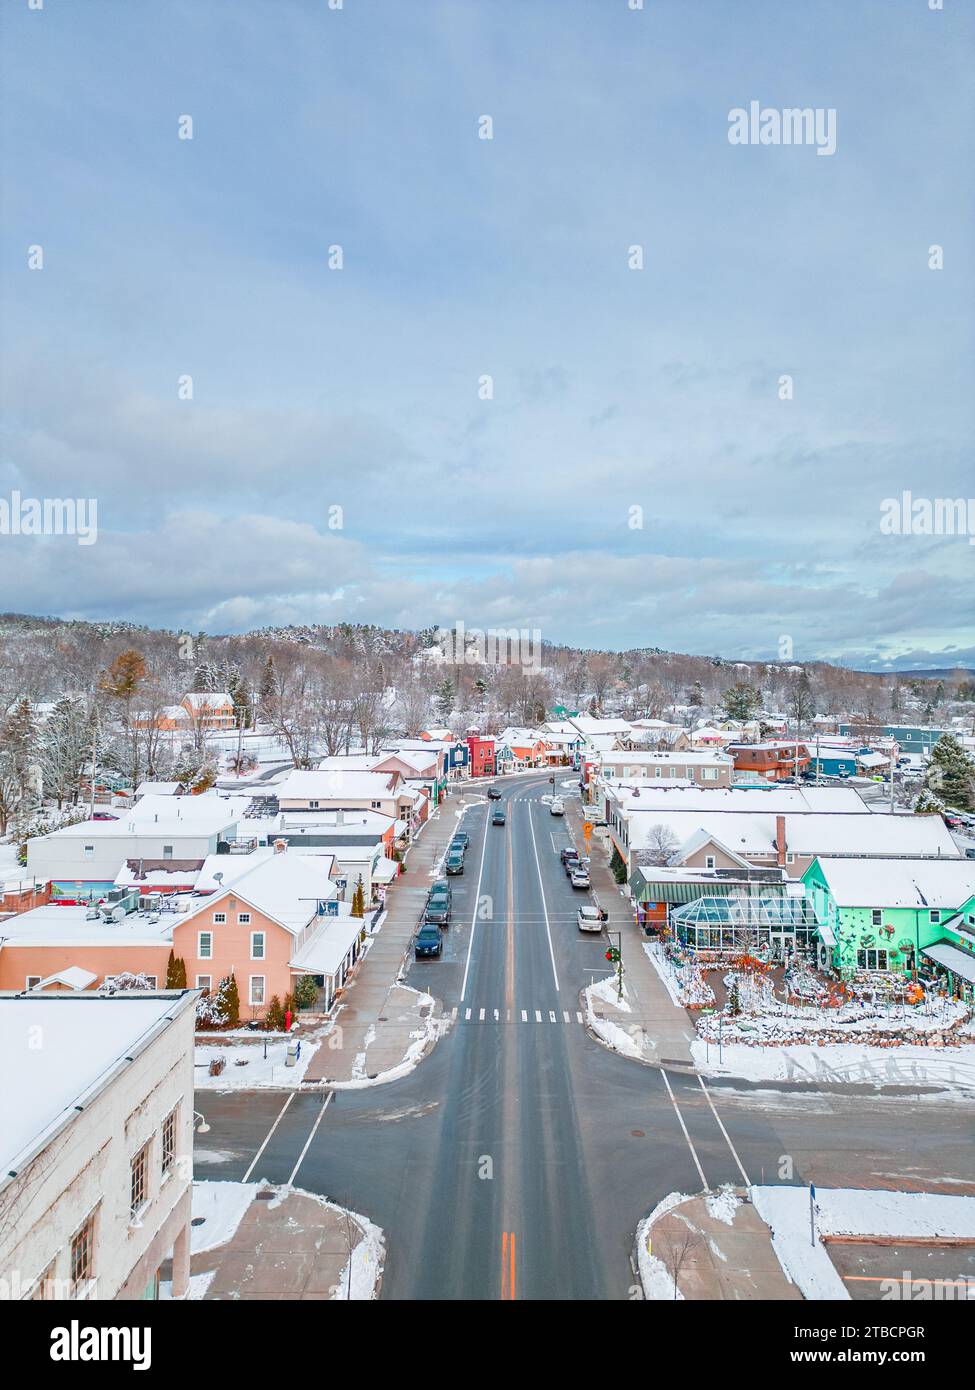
<point x="615" y="955"/>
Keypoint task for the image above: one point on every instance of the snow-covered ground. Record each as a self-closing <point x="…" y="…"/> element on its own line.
<point x="686" y="984"/>
<point x="222" y="1206"/>
<point x="654" y="1276"/>
<point x="952" y="1067"/>
<point x="247" y="1066"/>
<point x="606" y="991"/>
<point x="422" y="1038"/>
<point x="851" y="1211"/>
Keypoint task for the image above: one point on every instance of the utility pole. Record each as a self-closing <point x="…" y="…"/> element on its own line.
<point x="94" y="758"/>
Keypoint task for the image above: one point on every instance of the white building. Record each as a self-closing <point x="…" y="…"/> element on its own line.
<point x="96" y="1144"/>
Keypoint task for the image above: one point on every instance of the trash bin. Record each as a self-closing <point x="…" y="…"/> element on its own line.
<point x="292" y="1056"/>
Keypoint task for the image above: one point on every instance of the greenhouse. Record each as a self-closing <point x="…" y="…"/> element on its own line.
<point x="779" y="924"/>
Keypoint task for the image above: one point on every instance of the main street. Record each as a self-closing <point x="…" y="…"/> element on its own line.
<point x="518" y="1158"/>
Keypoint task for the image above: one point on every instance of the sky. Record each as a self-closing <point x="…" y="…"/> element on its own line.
<point x="632" y="475"/>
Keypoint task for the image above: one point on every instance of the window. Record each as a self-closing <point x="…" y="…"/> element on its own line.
<point x="376" y="805"/>
<point x="139" y="1194"/>
<point x="169" y="1140"/>
<point x="875" y="916"/>
<point x="32" y="980"/>
<point x="219" y="918"/>
<point x="709" y="861"/>
<point x="204" y="949"/>
<point x="872" y="960"/>
<point x="257" y="945"/>
<point x="244" y="918"/>
<point x="313" y="805"/>
<point x="89" y="850"/>
<point x="83" y="1258"/>
<point x="45" y="1288"/>
<point x="936" y="914"/>
<point x="167" y="851"/>
<point x="204" y="982"/>
<point x="256" y="995"/>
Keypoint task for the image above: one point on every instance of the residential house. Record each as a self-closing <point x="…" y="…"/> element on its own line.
<point x="698" y="767"/>
<point x="481" y="751"/>
<point x="775" y="760"/>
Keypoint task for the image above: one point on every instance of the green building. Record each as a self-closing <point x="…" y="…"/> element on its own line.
<point x="914" y="916"/>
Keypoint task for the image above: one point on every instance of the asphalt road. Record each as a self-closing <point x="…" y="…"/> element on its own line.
<point x="517" y="1160"/>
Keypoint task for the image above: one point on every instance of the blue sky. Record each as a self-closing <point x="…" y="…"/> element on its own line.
<point x="613" y="388"/>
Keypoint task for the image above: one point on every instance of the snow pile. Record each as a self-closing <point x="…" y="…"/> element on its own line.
<point x="952" y="1067"/>
<point x="851" y="1211"/>
<point x="222" y="1206"/>
<point x="655" y="1277"/>
<point x="723" y="1204"/>
<point x="606" y="991"/>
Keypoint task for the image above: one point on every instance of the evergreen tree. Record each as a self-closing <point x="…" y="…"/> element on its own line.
<point x="951" y="773"/>
<point x="180" y="975"/>
<point x="306" y="991"/>
<point x="171" y="971"/>
<point x="740" y="701"/>
<point x="274" y="1018"/>
<point x="359" y="900"/>
<point x="617" y="866"/>
<point x="734" y="999"/>
<point x="231" y="997"/>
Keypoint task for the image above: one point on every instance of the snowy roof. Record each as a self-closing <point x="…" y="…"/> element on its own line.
<point x="356" y="821"/>
<point x="159" y="788"/>
<point x="777" y="800"/>
<point x="72" y="977"/>
<point x="54" y="925"/>
<point x="910" y="883"/>
<point x="329" y="946"/>
<point x="645" y="758"/>
<point x="285" y="887"/>
<point x="86" y="1037"/>
<point x="208" y="699"/>
<point x="349" y="762"/>
<point x="588" y="725"/>
<point x="807" y="835"/>
<point x="333" y="784"/>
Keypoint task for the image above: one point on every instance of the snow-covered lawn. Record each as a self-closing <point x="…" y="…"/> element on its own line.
<point x="953" y="1067"/>
<point x="247" y="1066"/>
<point x="851" y="1211"/>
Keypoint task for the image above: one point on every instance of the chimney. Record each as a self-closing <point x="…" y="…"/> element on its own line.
<point x="780" y="840"/>
<point x="280" y="846"/>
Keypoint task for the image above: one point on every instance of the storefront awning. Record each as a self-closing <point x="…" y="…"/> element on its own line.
<point x="826" y="933"/>
<point x="952" y="959"/>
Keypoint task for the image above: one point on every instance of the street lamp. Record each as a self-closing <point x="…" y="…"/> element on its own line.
<point x="202" y="1127"/>
<point x="615" y="955"/>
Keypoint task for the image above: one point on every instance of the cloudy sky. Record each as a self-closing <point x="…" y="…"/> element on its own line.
<point x="614" y="389"/>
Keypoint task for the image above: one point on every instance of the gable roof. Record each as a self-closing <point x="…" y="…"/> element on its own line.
<point x="892" y="883"/>
<point x="284" y="887"/>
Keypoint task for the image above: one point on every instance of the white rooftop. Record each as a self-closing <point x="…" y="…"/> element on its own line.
<point x="911" y="883"/>
<point x="85" y="1037"/>
<point x="285" y="887"/>
<point x="334" y="784"/>
<point x="52" y="925"/>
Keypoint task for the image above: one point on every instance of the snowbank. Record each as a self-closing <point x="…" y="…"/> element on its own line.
<point x="654" y="1276"/>
<point x="851" y="1211"/>
<point x="604" y="1028"/>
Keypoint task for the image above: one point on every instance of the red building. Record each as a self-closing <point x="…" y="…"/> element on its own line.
<point x="482" y="756"/>
<point x="775" y="760"/>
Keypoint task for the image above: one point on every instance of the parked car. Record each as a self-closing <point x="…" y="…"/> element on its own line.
<point x="970" y="853"/>
<point x="437" y="909"/>
<point x="498" y="817"/>
<point x="570" y="852"/>
<point x="454" y="863"/>
<point x="579" y="878"/>
<point x="429" y="941"/>
<point x="573" y="863"/>
<point x="440" y="888"/>
<point x="493" y="794"/>
<point x="556" y="808"/>
<point x="461" y="838"/>
<point x="589" y="918"/>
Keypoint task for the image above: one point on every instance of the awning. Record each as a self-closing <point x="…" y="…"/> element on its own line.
<point x="826" y="933"/>
<point x="952" y="959"/>
<point x="385" y="871"/>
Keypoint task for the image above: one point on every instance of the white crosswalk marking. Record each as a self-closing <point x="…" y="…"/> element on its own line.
<point x="467" y="1014"/>
<point x="565" y="1015"/>
<point x="538" y="1015"/>
<point x="524" y="1015"/>
<point x="578" y="1018"/>
<point x="489" y="1015"/>
<point x="496" y="1015"/>
<point x="482" y="1015"/>
<point x="551" y="1016"/>
<point x="453" y="1012"/>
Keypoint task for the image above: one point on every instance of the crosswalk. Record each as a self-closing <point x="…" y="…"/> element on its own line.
<point x="489" y="1015"/>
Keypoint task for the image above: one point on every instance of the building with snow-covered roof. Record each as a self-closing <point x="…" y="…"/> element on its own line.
<point x="96" y="1144"/>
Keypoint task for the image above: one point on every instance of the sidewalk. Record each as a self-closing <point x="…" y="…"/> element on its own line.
<point x="718" y="1244"/>
<point x="659" y="1031"/>
<point x="292" y="1246"/>
<point x="383" y="1027"/>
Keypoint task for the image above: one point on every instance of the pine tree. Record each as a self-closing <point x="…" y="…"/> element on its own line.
<point x="740" y="701"/>
<point x="359" y="900"/>
<point x="274" y="1018"/>
<point x="171" y="971"/>
<point x="180" y="973"/>
<point x="231" y="998"/>
<point x="734" y="999"/>
<point x="617" y="866"/>
<point x="951" y="773"/>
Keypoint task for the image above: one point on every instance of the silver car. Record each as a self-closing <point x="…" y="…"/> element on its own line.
<point x="590" y="919"/>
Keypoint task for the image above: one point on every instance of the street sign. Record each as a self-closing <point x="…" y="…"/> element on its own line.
<point x="587" y="831"/>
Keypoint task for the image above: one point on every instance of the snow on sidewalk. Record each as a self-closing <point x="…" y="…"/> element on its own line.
<point x="221" y="1207"/>
<point x="851" y="1211"/>
<point x="606" y="992"/>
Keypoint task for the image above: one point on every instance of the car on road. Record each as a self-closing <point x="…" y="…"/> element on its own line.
<point x="574" y="863"/>
<point x="589" y="918"/>
<point x="498" y="817"/>
<point x="454" y="863"/>
<point x="429" y="941"/>
<point x="461" y="839"/>
<point x="437" y="909"/>
<point x="557" y="808"/>
<point x="570" y="853"/>
<point x="579" y="878"/>
<point x="493" y="794"/>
